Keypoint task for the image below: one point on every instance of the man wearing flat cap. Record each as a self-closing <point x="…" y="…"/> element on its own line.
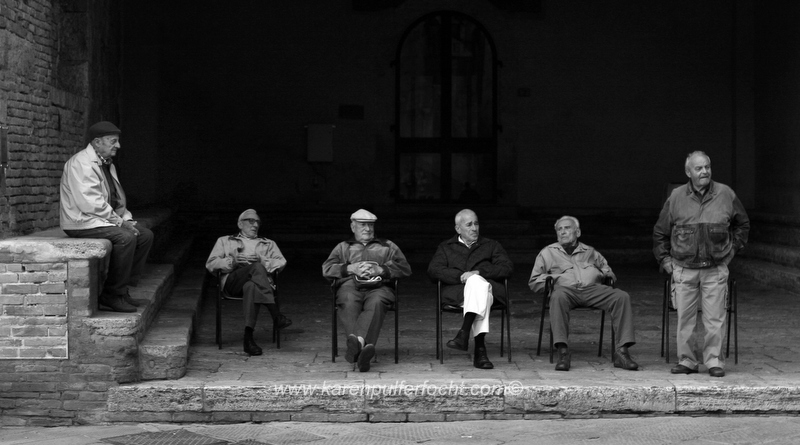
<point x="246" y="261"/>
<point x="93" y="205"/>
<point x="362" y="269"/>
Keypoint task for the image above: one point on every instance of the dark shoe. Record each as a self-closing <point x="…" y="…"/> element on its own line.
<point x="282" y="322"/>
<point x="716" y="372"/>
<point x="365" y="357"/>
<point x="353" y="349"/>
<point x="114" y="303"/>
<point x="564" y="359"/>
<point x="128" y="299"/>
<point x="481" y="360"/>
<point x="250" y="347"/>
<point x="680" y="369"/>
<point x="461" y="342"/>
<point x="623" y="360"/>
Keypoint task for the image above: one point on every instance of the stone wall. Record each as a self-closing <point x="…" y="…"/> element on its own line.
<point x="49" y="88"/>
<point x="54" y="365"/>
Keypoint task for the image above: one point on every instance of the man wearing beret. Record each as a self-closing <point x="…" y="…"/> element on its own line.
<point x="246" y="261"/>
<point x="362" y="268"/>
<point x="470" y="268"/>
<point x="93" y="206"/>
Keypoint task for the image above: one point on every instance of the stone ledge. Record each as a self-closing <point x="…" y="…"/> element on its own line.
<point x="344" y="398"/>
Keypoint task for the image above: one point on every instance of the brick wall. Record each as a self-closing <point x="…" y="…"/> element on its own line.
<point x="47" y="73"/>
<point x="57" y="359"/>
<point x="33" y="311"/>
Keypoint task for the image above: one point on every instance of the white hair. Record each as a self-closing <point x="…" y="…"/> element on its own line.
<point x="693" y="154"/>
<point x="574" y="220"/>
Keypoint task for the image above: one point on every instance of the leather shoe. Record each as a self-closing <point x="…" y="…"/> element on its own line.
<point x="716" y="372"/>
<point x="128" y="299"/>
<point x="353" y="349"/>
<point x="623" y="360"/>
<point x="481" y="360"/>
<point x="282" y="322"/>
<point x="461" y="342"/>
<point x="680" y="369"/>
<point x="564" y="359"/>
<point x="115" y="303"/>
<point x="365" y="357"/>
<point x="251" y="348"/>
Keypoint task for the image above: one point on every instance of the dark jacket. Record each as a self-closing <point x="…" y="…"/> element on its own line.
<point x="698" y="233"/>
<point x="453" y="258"/>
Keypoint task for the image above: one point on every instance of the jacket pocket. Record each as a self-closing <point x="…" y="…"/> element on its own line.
<point x="718" y="237"/>
<point x="684" y="242"/>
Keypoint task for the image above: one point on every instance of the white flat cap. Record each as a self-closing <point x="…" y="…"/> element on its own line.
<point x="249" y="214"/>
<point x="363" y="216"/>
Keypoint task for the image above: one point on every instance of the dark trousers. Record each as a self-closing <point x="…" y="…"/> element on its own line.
<point x="128" y="254"/>
<point x="598" y="296"/>
<point x="253" y="283"/>
<point x="362" y="311"/>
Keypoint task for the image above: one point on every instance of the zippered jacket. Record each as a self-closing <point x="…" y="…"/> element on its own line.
<point x="85" y="195"/>
<point x="697" y="232"/>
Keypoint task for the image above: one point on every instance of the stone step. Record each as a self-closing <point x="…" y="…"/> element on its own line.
<point x="155" y="284"/>
<point x="163" y="354"/>
<point x="768" y="273"/>
<point x="781" y="255"/>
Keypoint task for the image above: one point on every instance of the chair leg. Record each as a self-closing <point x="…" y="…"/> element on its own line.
<point x="602" y="330"/>
<point x="439" y="341"/>
<point x="666" y="324"/>
<point x="502" y="329"/>
<point x="508" y="329"/>
<point x="334" y="334"/>
<point x="551" y="343"/>
<point x="396" y="335"/>
<point x="735" y="297"/>
<point x="541" y="330"/>
<point x="219" y="320"/>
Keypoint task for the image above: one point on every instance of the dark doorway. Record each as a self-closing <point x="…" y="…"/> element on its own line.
<point x="446" y="111"/>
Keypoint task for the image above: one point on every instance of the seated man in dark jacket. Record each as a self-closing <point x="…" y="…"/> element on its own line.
<point x="469" y="268"/>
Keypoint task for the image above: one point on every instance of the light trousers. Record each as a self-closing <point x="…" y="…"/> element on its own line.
<point x="478" y="299"/>
<point x="708" y="289"/>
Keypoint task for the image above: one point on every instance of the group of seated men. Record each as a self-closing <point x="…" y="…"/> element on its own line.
<point x="470" y="268"/>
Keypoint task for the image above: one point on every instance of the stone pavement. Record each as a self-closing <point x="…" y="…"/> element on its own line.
<point x="775" y="430"/>
<point x="299" y="381"/>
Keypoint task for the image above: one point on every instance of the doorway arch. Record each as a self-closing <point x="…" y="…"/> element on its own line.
<point x="446" y="111"/>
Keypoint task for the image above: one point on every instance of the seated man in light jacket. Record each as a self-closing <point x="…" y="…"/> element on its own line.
<point x="246" y="261"/>
<point x="579" y="271"/>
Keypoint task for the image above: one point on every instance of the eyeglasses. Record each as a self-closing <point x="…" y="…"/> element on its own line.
<point x="252" y="221"/>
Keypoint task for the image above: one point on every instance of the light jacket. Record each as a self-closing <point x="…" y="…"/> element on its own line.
<point x="583" y="268"/>
<point x="85" y="196"/>
<point x="699" y="233"/>
<point x="221" y="257"/>
<point x="382" y="251"/>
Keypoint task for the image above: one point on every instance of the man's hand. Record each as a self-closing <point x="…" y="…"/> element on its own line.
<point x="130" y="225"/>
<point x="465" y="276"/>
<point x="667" y="266"/>
<point x="364" y="269"/>
<point x="244" y="260"/>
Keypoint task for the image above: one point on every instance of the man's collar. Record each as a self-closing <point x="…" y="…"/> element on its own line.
<point x="461" y="240"/>
<point x="691" y="190"/>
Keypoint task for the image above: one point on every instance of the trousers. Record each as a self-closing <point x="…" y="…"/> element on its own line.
<point x="253" y="283"/>
<point x="128" y="255"/>
<point x="362" y="310"/>
<point x="478" y="299"/>
<point x="599" y="296"/>
<point x="707" y="288"/>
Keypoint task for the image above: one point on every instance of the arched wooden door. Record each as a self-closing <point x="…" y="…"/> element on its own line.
<point x="446" y="111"/>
